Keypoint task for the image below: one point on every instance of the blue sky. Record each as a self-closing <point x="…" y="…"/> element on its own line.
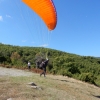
<point x="77" y="30"/>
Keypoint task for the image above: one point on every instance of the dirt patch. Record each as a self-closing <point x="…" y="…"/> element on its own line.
<point x="14" y="72"/>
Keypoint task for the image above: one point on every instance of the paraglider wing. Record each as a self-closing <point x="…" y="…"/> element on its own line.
<point x="46" y="10"/>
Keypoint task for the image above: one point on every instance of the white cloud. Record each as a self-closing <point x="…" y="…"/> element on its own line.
<point x="8" y="16"/>
<point x="1" y="18"/>
<point x="23" y="40"/>
<point x="44" y="45"/>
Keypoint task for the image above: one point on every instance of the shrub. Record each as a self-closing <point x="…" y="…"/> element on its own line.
<point x="88" y="77"/>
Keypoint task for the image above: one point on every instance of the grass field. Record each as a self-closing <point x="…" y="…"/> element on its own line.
<point x="49" y="88"/>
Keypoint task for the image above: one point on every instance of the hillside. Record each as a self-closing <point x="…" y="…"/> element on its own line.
<point x="14" y="85"/>
<point x="84" y="68"/>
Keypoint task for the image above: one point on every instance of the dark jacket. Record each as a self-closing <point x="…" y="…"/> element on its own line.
<point x="44" y="64"/>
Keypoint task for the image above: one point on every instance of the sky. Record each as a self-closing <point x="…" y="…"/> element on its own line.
<point x="77" y="30"/>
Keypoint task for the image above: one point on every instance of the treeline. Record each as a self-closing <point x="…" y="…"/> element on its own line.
<point x="85" y="68"/>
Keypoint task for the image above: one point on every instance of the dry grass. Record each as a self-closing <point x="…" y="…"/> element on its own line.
<point x="52" y="88"/>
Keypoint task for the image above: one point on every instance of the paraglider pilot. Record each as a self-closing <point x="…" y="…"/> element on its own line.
<point x="43" y="65"/>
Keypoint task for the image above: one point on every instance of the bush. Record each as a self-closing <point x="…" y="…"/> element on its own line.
<point x="88" y="77"/>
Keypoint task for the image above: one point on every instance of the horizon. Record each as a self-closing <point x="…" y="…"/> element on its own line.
<point x="48" y="48"/>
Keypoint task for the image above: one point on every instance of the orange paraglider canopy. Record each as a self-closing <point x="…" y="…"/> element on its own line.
<point x="46" y="10"/>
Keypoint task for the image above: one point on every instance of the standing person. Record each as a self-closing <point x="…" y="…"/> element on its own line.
<point x="43" y="65"/>
<point x="29" y="65"/>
